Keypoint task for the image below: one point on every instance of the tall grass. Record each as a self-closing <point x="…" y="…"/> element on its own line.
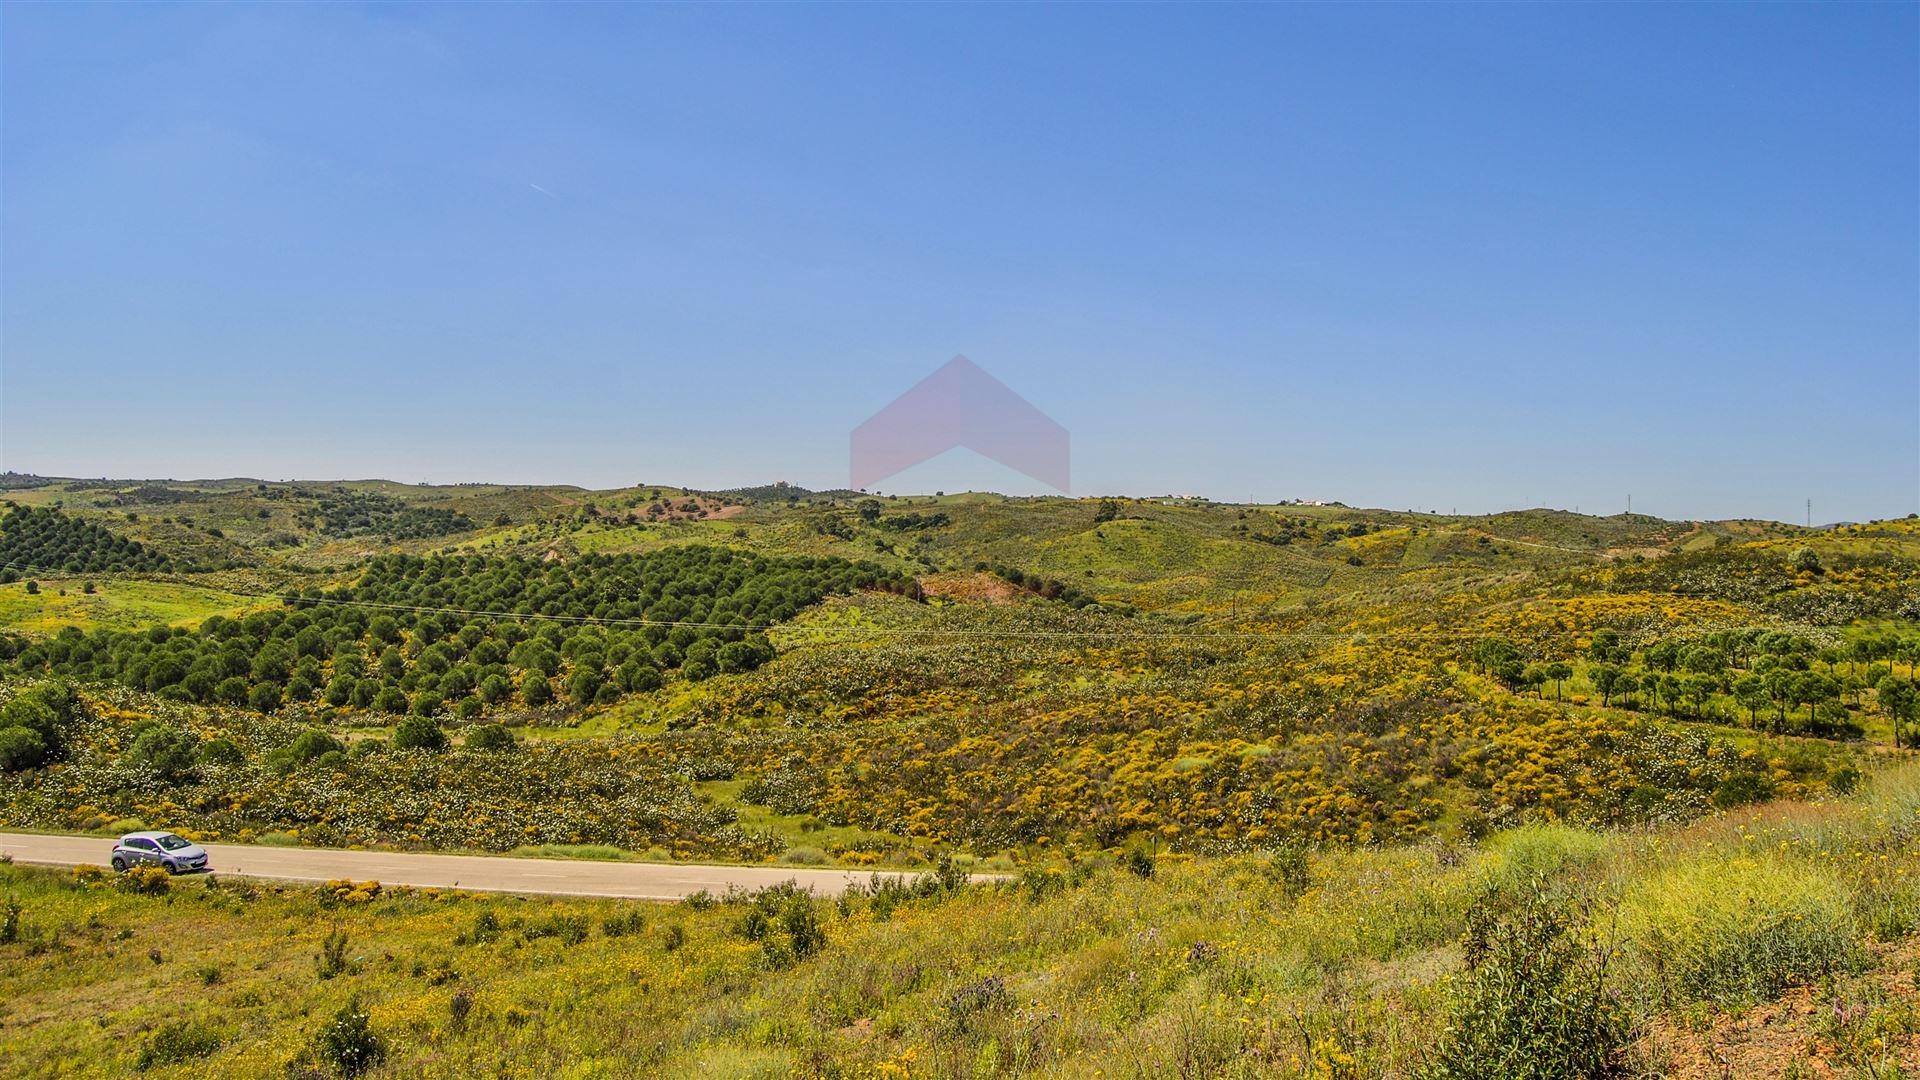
<point x="1738" y="928"/>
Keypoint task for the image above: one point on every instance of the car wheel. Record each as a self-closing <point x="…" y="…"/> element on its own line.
<point x="119" y="864"/>
<point x="170" y="866"/>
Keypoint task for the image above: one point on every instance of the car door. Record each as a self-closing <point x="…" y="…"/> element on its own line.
<point x="144" y="850"/>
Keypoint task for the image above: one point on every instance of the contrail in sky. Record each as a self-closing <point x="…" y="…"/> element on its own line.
<point x="541" y="190"/>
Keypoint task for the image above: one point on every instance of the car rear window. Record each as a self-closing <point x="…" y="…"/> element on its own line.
<point x="173" y="843"/>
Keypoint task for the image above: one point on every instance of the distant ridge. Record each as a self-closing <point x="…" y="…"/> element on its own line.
<point x="781" y="491"/>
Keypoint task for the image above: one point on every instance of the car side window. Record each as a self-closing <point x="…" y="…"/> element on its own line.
<point x="140" y="845"/>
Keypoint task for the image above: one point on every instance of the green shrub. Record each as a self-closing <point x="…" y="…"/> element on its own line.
<point x="1513" y="859"/>
<point x="332" y="960"/>
<point x="348" y="1042"/>
<point x="146" y="880"/>
<point x="165" y="751"/>
<point x="783" y="920"/>
<point x="1742" y="788"/>
<point x="628" y="922"/>
<point x="21" y="748"/>
<point x="1740" y="929"/>
<point x="177" y="1042"/>
<point x="307" y="746"/>
<point x="490" y="737"/>
<point x="37" y="725"/>
<point x="570" y="929"/>
<point x="221" y="752"/>
<point x="419" y="733"/>
<point x="1533" y="1003"/>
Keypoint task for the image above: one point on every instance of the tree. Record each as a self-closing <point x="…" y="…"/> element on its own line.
<point x="309" y="745"/>
<point x="264" y="697"/>
<point x="21" y="748"/>
<point x="490" y="737"/>
<point x="1812" y="689"/>
<point x="1488" y="654"/>
<point x="1626" y="687"/>
<point x="168" y="753"/>
<point x="1663" y="655"/>
<point x="419" y="733"/>
<point x="1697" y="690"/>
<point x="1556" y="673"/>
<point x="495" y="689"/>
<point x="1606" y="648"/>
<point x="39" y="723"/>
<point x="1703" y="660"/>
<point x="1780" y="690"/>
<point x="583" y="684"/>
<point x="1899" y="701"/>
<point x="737" y="656"/>
<point x="1606" y="679"/>
<point x="535" y="689"/>
<point x="1805" y="559"/>
<point x="1751" y="692"/>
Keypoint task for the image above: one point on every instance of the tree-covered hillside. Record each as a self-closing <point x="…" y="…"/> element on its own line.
<point x="46" y="540"/>
<point x="470" y="633"/>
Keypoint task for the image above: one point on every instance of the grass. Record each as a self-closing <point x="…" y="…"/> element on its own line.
<point x="590" y="852"/>
<point x="1739" y="928"/>
<point x="810" y="837"/>
<point x="1251" y="965"/>
<point x="115" y="603"/>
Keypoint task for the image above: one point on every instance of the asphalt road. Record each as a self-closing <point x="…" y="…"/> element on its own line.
<point x="481" y="873"/>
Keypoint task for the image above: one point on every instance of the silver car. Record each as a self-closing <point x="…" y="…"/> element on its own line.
<point x="176" y="854"/>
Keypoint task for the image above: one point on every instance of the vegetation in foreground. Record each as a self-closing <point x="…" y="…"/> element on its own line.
<point x="1541" y="951"/>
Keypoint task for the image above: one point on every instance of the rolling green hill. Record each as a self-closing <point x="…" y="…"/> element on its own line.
<point x="1053" y="687"/>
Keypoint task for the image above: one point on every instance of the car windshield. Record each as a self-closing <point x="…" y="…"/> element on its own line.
<point x="172" y="842"/>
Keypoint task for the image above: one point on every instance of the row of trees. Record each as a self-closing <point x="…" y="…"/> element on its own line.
<point x="1044" y="587"/>
<point x="50" y="539"/>
<point x="1758" y="671"/>
<point x="470" y="634"/>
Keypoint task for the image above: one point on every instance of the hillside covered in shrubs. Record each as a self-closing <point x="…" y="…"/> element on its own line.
<point x="1275" y="790"/>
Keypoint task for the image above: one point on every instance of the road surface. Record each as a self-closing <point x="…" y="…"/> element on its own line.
<point x="480" y="873"/>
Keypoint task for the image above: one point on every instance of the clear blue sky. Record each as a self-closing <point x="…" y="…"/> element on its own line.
<point x="1478" y="257"/>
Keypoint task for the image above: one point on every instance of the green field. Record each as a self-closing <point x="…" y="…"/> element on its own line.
<point x="117" y="604"/>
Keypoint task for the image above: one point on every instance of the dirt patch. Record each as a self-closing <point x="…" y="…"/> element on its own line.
<point x="973" y="588"/>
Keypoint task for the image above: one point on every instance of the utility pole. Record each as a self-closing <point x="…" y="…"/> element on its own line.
<point x="1809" y="513"/>
<point x="1629" y="502"/>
